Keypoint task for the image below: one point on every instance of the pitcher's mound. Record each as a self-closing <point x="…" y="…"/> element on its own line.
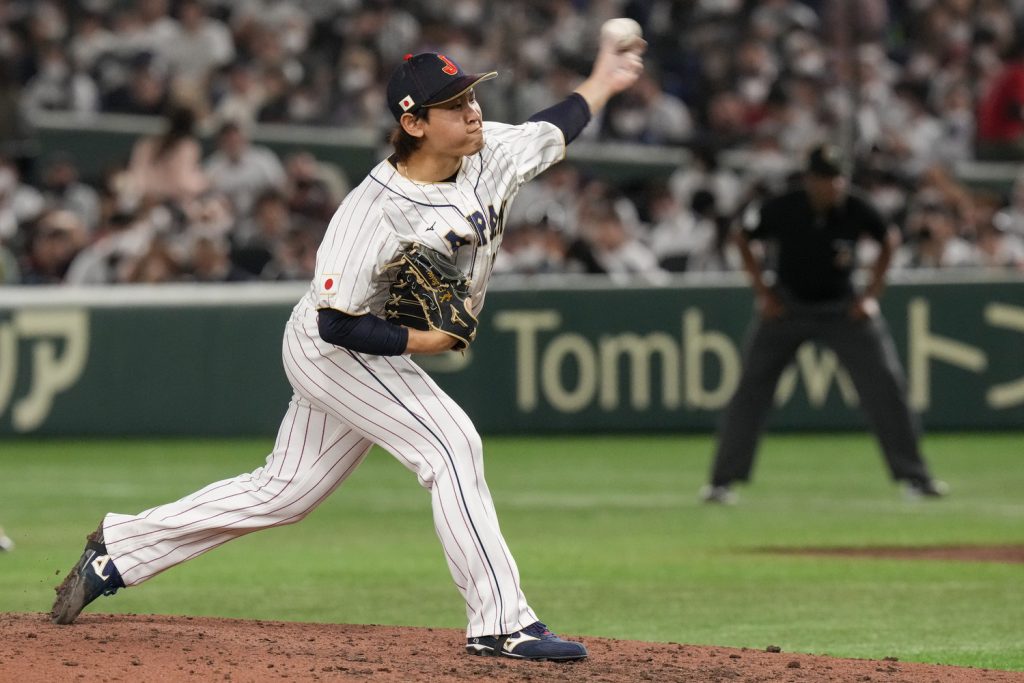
<point x="102" y="647"/>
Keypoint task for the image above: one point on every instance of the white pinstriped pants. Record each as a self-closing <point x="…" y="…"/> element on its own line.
<point x="345" y="402"/>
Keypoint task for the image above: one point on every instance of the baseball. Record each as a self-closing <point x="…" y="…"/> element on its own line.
<point x="620" y="32"/>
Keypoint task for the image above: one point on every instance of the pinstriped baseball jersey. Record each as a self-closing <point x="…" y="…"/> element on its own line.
<point x="344" y="401"/>
<point x="463" y="218"/>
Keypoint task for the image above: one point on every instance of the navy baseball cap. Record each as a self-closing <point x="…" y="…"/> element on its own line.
<point x="426" y="79"/>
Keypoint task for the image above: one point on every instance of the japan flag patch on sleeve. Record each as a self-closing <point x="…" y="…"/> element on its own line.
<point x="329" y="284"/>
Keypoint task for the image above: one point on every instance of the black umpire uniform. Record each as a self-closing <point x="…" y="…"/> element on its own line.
<point x="815" y="230"/>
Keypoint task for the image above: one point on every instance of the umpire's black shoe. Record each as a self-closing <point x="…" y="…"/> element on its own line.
<point x="915" y="489"/>
<point x="93" y="576"/>
<point x="720" y="493"/>
<point x="534" y="642"/>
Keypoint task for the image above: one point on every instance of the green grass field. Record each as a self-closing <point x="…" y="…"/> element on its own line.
<point x="607" y="531"/>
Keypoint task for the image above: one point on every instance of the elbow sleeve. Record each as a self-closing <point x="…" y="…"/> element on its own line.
<point x="571" y="115"/>
<point x="362" y="333"/>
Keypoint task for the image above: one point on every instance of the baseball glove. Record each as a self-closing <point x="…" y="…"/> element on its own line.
<point x="430" y="293"/>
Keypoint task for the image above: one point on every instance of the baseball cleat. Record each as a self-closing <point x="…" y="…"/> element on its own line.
<point x="915" y="489"/>
<point x="535" y="642"/>
<point x="6" y="544"/>
<point x="93" y="576"/>
<point x="721" y="494"/>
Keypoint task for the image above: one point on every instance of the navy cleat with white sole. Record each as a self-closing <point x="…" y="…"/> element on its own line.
<point x="93" y="576"/>
<point x="535" y="642"/>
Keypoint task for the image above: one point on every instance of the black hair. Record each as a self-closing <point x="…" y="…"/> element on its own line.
<point x="406" y="145"/>
<point x="180" y="125"/>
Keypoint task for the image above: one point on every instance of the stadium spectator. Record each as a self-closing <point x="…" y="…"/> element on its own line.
<point x="58" y="86"/>
<point x="704" y="172"/>
<point x="532" y="249"/>
<point x="675" y="235"/>
<point x="124" y="240"/>
<point x="772" y="19"/>
<point x="62" y="189"/>
<point x="766" y="162"/>
<point x="956" y="141"/>
<point x="20" y="203"/>
<point x="997" y="246"/>
<point x="15" y="134"/>
<point x="1001" y="110"/>
<point x="756" y="68"/>
<point x="295" y="255"/>
<point x="727" y="124"/>
<point x="257" y="238"/>
<point x="198" y="45"/>
<point x="130" y="41"/>
<point x="693" y="238"/>
<point x="145" y="93"/>
<point x="619" y="254"/>
<point x="914" y="135"/>
<point x="155" y="266"/>
<point x="158" y="29"/>
<point x="53" y="241"/>
<point x="90" y="41"/>
<point x="241" y="170"/>
<point x="277" y="91"/>
<point x="313" y="187"/>
<point x="240" y="96"/>
<point x="793" y="110"/>
<point x="645" y="113"/>
<point x="550" y="200"/>
<point x="166" y="167"/>
<point x="356" y="100"/>
<point x="211" y="261"/>
<point x="933" y="240"/>
<point x="1012" y="216"/>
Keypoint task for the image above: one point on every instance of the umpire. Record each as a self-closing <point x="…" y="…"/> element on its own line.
<point x="814" y="231"/>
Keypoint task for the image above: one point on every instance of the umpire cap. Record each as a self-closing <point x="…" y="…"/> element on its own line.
<point x="427" y="79"/>
<point x="825" y="160"/>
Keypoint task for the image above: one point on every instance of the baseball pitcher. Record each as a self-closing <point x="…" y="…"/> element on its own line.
<point x="403" y="269"/>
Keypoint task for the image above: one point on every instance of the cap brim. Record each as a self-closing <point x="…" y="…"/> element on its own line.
<point x="459" y="88"/>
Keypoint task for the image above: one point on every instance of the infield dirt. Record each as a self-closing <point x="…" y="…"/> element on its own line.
<point x="104" y="647"/>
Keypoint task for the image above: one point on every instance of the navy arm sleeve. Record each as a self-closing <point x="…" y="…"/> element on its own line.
<point x="362" y="333"/>
<point x="571" y="115"/>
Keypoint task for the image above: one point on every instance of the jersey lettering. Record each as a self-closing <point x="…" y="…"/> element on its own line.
<point x="456" y="240"/>
<point x="479" y="223"/>
<point x="497" y="219"/>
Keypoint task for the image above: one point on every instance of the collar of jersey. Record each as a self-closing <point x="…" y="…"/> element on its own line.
<point x="450" y="179"/>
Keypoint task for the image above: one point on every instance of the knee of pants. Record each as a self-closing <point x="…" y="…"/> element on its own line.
<point x="286" y="499"/>
<point x="461" y="455"/>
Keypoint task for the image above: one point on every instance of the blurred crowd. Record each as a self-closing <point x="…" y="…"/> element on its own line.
<point x="913" y="87"/>
<point x="169" y="213"/>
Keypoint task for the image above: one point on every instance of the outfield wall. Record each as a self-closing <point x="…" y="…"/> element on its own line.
<point x="205" y="360"/>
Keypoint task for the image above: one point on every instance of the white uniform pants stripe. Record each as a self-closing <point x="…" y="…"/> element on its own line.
<point x="344" y="402"/>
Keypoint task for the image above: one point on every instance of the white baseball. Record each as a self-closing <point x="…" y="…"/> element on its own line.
<point x="621" y="32"/>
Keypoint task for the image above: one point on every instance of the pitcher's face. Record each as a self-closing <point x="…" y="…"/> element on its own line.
<point x="455" y="127"/>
